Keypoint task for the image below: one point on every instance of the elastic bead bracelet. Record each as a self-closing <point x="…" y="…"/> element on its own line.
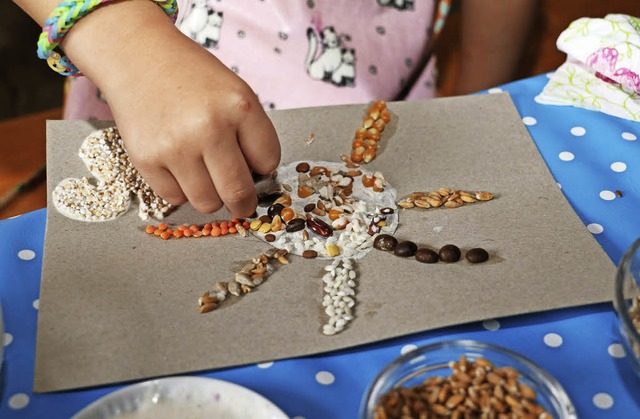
<point x="64" y="16"/>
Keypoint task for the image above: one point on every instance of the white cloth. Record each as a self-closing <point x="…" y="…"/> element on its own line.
<point x="602" y="71"/>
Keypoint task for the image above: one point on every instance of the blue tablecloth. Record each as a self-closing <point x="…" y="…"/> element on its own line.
<point x="595" y="158"/>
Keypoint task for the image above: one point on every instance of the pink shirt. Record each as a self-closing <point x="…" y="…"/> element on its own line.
<point x="296" y="53"/>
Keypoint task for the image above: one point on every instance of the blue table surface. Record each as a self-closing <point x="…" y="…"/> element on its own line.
<point x="590" y="154"/>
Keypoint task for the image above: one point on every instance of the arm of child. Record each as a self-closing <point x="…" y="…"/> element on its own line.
<point x="192" y="127"/>
<point x="493" y="35"/>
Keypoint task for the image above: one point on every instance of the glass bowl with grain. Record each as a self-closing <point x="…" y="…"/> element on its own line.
<point x="626" y="301"/>
<point x="464" y="378"/>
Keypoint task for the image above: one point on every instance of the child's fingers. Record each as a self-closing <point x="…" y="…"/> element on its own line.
<point x="165" y="185"/>
<point x="197" y="185"/>
<point x="232" y="177"/>
<point x="259" y="142"/>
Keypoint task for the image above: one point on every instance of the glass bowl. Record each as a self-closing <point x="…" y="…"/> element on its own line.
<point x="626" y="301"/>
<point x="430" y="361"/>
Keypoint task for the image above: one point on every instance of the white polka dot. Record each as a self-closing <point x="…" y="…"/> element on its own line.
<point x="618" y="166"/>
<point x="607" y="195"/>
<point x="616" y="350"/>
<point x="437" y="229"/>
<point x="18" y="401"/>
<point x="553" y="340"/>
<point x="265" y="365"/>
<point x="26" y="254"/>
<point x="495" y="90"/>
<point x="559" y="186"/>
<point x="529" y="120"/>
<point x="603" y="400"/>
<point x="408" y="348"/>
<point x="8" y="338"/>
<point x="578" y="131"/>
<point x="325" y="377"/>
<point x="36" y="304"/>
<point x="566" y="156"/>
<point x="629" y="136"/>
<point x="595" y="228"/>
<point x="491" y="325"/>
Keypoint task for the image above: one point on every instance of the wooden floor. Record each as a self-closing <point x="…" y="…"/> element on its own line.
<point x="22" y="140"/>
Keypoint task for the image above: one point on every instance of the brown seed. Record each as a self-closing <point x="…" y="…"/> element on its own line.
<point x="207" y="307"/>
<point x="405" y="249"/>
<point x="270" y="237"/>
<point x="295" y="224"/>
<point x="265" y="219"/>
<point x="309" y="254"/>
<point x="425" y="255"/>
<point x="320" y="227"/>
<point x="449" y="253"/>
<point x="309" y="207"/>
<point x="305" y="191"/>
<point x="385" y="242"/>
<point x="302" y="167"/>
<point x="274" y="210"/>
<point x="477" y="255"/>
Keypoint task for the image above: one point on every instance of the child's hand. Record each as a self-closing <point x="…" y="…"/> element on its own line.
<point x="195" y="131"/>
<point x="192" y="127"/>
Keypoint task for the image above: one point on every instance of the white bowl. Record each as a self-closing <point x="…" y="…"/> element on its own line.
<point x="188" y="397"/>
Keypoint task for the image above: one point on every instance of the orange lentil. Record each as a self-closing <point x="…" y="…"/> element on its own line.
<point x="157" y="232"/>
<point x="183" y="228"/>
<point x="246" y="224"/>
<point x="169" y="230"/>
<point x="197" y="233"/>
<point x="235" y="220"/>
<point x="150" y="229"/>
<point x="188" y="233"/>
<point x="215" y="231"/>
<point x="224" y="225"/>
<point x="287" y="214"/>
<point x="162" y="226"/>
<point x="194" y="227"/>
<point x="233" y="230"/>
<point x="178" y="233"/>
<point x="224" y="231"/>
<point x="206" y="231"/>
<point x="207" y="226"/>
<point x="165" y="235"/>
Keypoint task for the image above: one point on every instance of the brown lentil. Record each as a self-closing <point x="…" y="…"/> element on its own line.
<point x="405" y="249"/>
<point x="477" y="255"/>
<point x="425" y="255"/>
<point x="309" y="254"/>
<point x="270" y="237"/>
<point x="385" y="242"/>
<point x="303" y="167"/>
<point x="449" y="253"/>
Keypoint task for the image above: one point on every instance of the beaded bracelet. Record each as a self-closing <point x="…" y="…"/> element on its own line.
<point x="63" y="18"/>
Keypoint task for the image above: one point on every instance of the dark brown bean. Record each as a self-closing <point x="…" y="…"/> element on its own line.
<point x="274" y="210"/>
<point x="477" y="255"/>
<point x="320" y="227"/>
<point x="309" y="207"/>
<point x="309" y="254"/>
<point x="385" y="242"/>
<point x="405" y="249"/>
<point x="386" y="210"/>
<point x="296" y="224"/>
<point x="425" y="255"/>
<point x="449" y="253"/>
<point x="270" y="237"/>
<point x="265" y="219"/>
<point x="303" y="167"/>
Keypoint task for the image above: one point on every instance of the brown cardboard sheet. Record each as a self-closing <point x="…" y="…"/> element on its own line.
<point x="118" y="305"/>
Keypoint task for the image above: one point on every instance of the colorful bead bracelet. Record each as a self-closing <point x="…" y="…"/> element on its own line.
<point x="64" y="16"/>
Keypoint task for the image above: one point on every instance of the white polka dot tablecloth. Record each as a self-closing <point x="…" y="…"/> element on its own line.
<point x="595" y="159"/>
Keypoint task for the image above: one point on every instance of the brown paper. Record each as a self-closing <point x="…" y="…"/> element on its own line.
<point x="119" y="305"/>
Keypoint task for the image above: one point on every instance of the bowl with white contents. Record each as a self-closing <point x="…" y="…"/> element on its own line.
<point x="464" y="378"/>
<point x="188" y="397"/>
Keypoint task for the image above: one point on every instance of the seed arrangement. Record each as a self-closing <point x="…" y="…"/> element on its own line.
<point x="365" y="142"/>
<point x="443" y="198"/>
<point x="252" y="274"/>
<point x="475" y="389"/>
<point x="448" y="253"/>
<point x="214" y="229"/>
<point x="104" y="156"/>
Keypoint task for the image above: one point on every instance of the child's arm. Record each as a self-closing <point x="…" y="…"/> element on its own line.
<point x="191" y="126"/>
<point x="494" y="35"/>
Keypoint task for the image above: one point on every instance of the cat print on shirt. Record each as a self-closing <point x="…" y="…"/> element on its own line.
<point x="327" y="60"/>
<point x="398" y="4"/>
<point x="203" y="24"/>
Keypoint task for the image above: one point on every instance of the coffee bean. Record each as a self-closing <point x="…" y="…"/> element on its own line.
<point x="265" y="219"/>
<point x="425" y="255"/>
<point x="309" y="207"/>
<point x="449" y="253"/>
<point x="303" y="167"/>
<point x="309" y="254"/>
<point x="270" y="237"/>
<point x="477" y="255"/>
<point x="295" y="224"/>
<point x="405" y="249"/>
<point x="385" y="242"/>
<point x="274" y="210"/>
